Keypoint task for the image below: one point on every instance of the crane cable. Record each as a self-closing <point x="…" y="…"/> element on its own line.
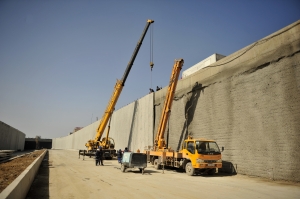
<point x="151" y="52"/>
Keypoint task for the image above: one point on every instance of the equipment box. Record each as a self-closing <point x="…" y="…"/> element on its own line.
<point x="134" y="160"/>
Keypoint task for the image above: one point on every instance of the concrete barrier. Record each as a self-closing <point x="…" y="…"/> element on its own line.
<point x="19" y="188"/>
<point x="11" y="138"/>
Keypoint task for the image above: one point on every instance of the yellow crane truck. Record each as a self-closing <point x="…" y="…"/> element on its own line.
<point x="107" y="143"/>
<point x="196" y="155"/>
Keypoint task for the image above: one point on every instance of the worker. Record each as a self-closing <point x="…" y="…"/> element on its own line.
<point x="202" y="147"/>
<point x="126" y="149"/>
<point x="100" y="156"/>
<point x="97" y="157"/>
<point x="151" y="90"/>
<point x="157" y="88"/>
<point x="119" y="155"/>
<point x="191" y="147"/>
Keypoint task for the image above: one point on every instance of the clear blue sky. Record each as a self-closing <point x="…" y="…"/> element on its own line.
<point x="60" y="59"/>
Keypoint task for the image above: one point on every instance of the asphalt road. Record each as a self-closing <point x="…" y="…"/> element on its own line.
<point x="64" y="175"/>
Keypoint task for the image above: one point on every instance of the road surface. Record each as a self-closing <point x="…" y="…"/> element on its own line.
<point x="64" y="175"/>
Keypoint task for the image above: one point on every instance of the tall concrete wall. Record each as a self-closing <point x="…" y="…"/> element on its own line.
<point x="131" y="126"/>
<point x="76" y="140"/>
<point x="11" y="138"/>
<point x="249" y="102"/>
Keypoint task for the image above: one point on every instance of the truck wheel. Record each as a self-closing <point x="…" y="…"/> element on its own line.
<point x="156" y="165"/>
<point x="123" y="168"/>
<point x="142" y="170"/>
<point x="152" y="160"/>
<point x="211" y="172"/>
<point x="189" y="169"/>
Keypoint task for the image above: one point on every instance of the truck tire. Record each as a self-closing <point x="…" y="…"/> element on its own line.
<point x="142" y="170"/>
<point x="211" y="172"/>
<point x="152" y="160"/>
<point x="189" y="169"/>
<point x="156" y="165"/>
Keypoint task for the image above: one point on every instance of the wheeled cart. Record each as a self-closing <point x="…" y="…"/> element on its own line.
<point x="134" y="160"/>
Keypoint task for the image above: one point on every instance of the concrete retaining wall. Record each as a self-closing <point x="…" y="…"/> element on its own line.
<point x="21" y="185"/>
<point x="249" y="102"/>
<point x="11" y="138"/>
<point x="250" y="105"/>
<point x="131" y="126"/>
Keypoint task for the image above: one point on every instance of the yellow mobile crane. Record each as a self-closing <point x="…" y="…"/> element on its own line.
<point x="196" y="155"/>
<point x="107" y="143"/>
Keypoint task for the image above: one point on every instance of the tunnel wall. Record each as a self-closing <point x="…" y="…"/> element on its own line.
<point x="11" y="138"/>
<point x="249" y="102"/>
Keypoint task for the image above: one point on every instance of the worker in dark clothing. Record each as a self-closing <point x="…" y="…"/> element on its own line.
<point x="119" y="155"/>
<point x="157" y="88"/>
<point x="151" y="90"/>
<point x="101" y="156"/>
<point x="97" y="157"/>
<point x="126" y="149"/>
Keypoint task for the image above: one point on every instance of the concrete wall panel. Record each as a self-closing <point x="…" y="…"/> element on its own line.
<point x="142" y="134"/>
<point x="122" y="126"/>
<point x="83" y="135"/>
<point x="76" y="140"/>
<point x="11" y="138"/>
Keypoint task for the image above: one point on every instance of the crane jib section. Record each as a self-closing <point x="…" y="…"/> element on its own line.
<point x="109" y="109"/>
<point x="117" y="91"/>
<point x="159" y="140"/>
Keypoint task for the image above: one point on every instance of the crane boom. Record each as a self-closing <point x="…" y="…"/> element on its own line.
<point x="159" y="140"/>
<point x="92" y="144"/>
<point x="196" y="155"/>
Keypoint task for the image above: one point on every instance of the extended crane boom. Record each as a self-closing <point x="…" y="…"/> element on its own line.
<point x="159" y="140"/>
<point x="105" y="143"/>
<point x="196" y="155"/>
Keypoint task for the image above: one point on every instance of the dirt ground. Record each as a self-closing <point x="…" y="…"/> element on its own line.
<point x="10" y="170"/>
<point x="63" y="175"/>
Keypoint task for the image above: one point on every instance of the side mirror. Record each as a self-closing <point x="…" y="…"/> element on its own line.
<point x="222" y="148"/>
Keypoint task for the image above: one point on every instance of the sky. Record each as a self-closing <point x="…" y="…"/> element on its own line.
<point x="60" y="59"/>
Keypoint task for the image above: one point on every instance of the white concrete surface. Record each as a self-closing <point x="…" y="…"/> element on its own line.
<point x="21" y="185"/>
<point x="11" y="138"/>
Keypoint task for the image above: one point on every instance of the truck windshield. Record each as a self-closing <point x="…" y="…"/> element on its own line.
<point x="204" y="147"/>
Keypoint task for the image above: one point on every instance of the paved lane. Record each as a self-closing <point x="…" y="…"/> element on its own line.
<point x="66" y="176"/>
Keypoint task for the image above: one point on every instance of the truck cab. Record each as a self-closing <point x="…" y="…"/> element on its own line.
<point x="202" y="155"/>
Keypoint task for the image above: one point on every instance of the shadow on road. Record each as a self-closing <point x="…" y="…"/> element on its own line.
<point x="228" y="167"/>
<point x="221" y="173"/>
<point x="137" y="171"/>
<point x="40" y="185"/>
<point x="146" y="172"/>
